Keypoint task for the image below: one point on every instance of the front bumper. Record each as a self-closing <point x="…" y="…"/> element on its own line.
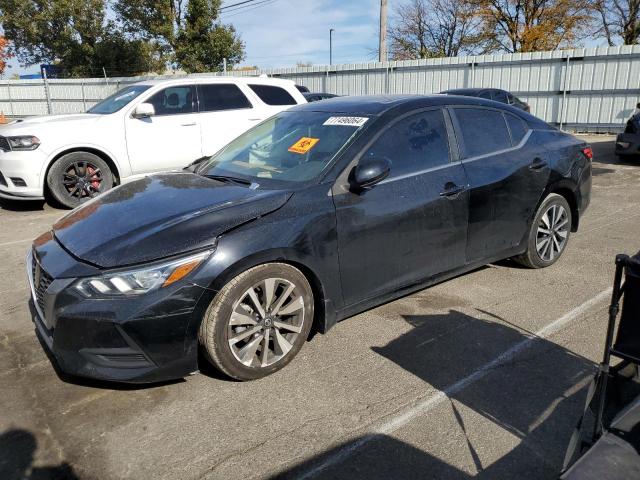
<point x="21" y="174"/>
<point x="146" y="339"/>
<point x="628" y="144"/>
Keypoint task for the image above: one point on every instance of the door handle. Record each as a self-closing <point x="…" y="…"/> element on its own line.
<point x="188" y="124"/>
<point x="451" y="190"/>
<point x="537" y="164"/>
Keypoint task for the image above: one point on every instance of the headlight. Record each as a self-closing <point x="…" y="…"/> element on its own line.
<point x="140" y="280"/>
<point x="24" y="142"/>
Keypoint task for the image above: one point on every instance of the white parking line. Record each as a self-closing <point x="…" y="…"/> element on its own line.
<point x="429" y="403"/>
<point x="15" y="242"/>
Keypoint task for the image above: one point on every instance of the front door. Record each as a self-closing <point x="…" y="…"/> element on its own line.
<point x="410" y="226"/>
<point x="168" y="140"/>
<point x="507" y="175"/>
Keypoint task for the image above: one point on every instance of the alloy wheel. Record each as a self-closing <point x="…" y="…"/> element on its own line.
<point x="265" y="322"/>
<point x="552" y="233"/>
<point x="82" y="179"/>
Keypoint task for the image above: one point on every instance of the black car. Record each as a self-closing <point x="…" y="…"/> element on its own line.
<point x="314" y="215"/>
<point x="317" y="96"/>
<point x="494" y="94"/>
<point x="628" y="142"/>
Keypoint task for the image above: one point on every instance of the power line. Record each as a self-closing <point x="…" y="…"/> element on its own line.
<point x="246" y="8"/>
<point x="224" y="7"/>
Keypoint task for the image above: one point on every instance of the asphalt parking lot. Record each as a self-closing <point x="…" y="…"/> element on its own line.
<point x="481" y="376"/>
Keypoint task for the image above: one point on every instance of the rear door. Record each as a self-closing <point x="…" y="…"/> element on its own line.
<point x="507" y="175"/>
<point x="169" y="139"/>
<point x="225" y="113"/>
<point x="411" y="225"/>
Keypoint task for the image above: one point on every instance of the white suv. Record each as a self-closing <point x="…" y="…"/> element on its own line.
<point x="146" y="127"/>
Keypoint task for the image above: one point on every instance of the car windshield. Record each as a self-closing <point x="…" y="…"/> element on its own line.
<point x="118" y="100"/>
<point x="289" y="147"/>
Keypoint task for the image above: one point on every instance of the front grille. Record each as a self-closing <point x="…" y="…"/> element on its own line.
<point x="41" y="281"/>
<point x="4" y="144"/>
<point x="3" y="182"/>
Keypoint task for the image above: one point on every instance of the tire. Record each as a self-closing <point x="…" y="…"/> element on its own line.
<point x="77" y="177"/>
<point x="545" y="245"/>
<point x="225" y="329"/>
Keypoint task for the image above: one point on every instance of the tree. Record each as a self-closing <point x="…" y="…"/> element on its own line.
<point x="532" y="25"/>
<point x="434" y="28"/>
<point x="619" y="20"/>
<point x="75" y="35"/>
<point x="4" y="54"/>
<point x="187" y="32"/>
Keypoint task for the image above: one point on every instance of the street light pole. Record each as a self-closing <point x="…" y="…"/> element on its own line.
<point x="331" y="30"/>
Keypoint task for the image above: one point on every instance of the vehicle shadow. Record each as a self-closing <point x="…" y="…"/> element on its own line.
<point x="531" y="399"/>
<point x="17" y="452"/>
<point x="22" y="205"/>
<point x="603" y="154"/>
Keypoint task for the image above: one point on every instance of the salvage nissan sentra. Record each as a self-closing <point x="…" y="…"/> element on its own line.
<point x="314" y="215"/>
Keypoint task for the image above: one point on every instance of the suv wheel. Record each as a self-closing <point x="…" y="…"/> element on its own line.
<point x="77" y="177"/>
<point x="258" y="322"/>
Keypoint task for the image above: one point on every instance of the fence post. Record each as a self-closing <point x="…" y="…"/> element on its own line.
<point x="564" y="91"/>
<point x="84" y="101"/>
<point x="46" y="91"/>
<point x="10" y="100"/>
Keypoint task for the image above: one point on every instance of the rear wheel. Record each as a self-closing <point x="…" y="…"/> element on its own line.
<point x="258" y="322"/>
<point x="549" y="233"/>
<point x="77" y="177"/>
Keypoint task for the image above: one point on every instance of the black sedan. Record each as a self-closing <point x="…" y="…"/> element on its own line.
<point x="494" y="94"/>
<point x="314" y="215"/>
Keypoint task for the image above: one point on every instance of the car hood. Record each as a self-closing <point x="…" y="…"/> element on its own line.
<point x="29" y="125"/>
<point x="160" y="216"/>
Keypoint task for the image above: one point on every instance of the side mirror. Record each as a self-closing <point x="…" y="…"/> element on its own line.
<point x="638" y="105"/>
<point x="144" y="110"/>
<point x="369" y="172"/>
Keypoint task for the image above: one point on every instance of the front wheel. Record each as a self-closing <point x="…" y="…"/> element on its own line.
<point x="549" y="233"/>
<point x="258" y="321"/>
<point x="77" y="177"/>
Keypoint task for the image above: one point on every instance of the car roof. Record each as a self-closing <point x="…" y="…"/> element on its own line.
<point x="380" y="104"/>
<point x="211" y="79"/>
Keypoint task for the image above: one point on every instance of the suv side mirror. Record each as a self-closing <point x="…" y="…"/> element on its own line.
<point x="637" y="105"/>
<point x="369" y="172"/>
<point x="144" y="110"/>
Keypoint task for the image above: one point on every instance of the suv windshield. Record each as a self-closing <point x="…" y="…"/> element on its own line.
<point x="289" y="147"/>
<point x="118" y="100"/>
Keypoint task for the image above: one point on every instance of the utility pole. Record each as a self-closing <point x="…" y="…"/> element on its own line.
<point x="331" y="30"/>
<point x="383" y="31"/>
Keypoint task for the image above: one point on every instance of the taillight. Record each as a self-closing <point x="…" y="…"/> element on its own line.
<point x="588" y="152"/>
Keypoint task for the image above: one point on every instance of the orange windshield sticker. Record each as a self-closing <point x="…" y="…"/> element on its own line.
<point x="303" y="145"/>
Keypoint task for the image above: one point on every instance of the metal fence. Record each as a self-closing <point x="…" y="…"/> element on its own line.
<point x="592" y="89"/>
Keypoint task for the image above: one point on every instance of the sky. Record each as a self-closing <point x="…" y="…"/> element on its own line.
<point x="281" y="33"/>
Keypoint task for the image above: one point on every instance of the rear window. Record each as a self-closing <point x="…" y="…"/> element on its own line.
<point x="273" y="95"/>
<point x="517" y="127"/>
<point x="484" y="131"/>
<point x="221" y="96"/>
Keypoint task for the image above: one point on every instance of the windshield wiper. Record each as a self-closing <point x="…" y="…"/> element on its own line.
<point x="227" y="179"/>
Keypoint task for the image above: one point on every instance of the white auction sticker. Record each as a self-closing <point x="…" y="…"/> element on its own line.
<point x="346" y="121"/>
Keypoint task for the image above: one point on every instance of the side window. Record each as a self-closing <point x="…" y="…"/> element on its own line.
<point x="517" y="127"/>
<point x="485" y="94"/>
<point x="273" y="95"/>
<point x="221" y="96"/>
<point x="173" y="100"/>
<point x="483" y="131"/>
<point x="500" y="96"/>
<point x="414" y="144"/>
